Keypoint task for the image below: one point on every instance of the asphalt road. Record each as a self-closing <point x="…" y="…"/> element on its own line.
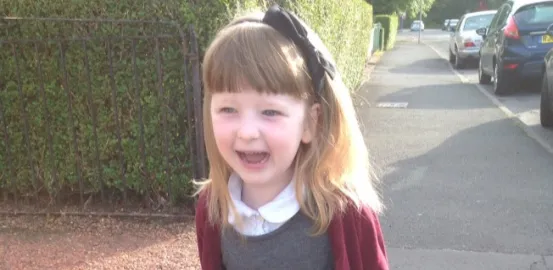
<point x="524" y="104"/>
<point x="467" y="178"/>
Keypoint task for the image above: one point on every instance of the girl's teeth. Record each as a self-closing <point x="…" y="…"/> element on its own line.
<point x="253" y="157"/>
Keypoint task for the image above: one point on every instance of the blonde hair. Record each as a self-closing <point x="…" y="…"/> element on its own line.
<point x="333" y="170"/>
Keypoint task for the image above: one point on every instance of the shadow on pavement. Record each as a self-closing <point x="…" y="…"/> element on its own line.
<point x="488" y="187"/>
<point x="528" y="86"/>
<point x="427" y="66"/>
<point x="468" y="65"/>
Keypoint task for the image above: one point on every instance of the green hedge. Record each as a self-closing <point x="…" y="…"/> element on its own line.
<point x="343" y="26"/>
<point x="30" y="163"/>
<point x="390" y="23"/>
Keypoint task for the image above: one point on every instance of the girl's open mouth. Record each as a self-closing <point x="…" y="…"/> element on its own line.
<point x="253" y="158"/>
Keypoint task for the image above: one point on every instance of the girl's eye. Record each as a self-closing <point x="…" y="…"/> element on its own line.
<point x="271" y="113"/>
<point x="227" y="110"/>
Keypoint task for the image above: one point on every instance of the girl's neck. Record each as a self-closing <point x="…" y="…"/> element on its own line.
<point x="256" y="196"/>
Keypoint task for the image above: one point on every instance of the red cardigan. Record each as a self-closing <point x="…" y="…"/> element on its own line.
<point x="355" y="237"/>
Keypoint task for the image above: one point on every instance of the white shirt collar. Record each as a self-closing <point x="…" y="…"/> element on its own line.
<point x="279" y="210"/>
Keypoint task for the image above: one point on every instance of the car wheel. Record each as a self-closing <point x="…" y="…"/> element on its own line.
<point x="451" y="57"/>
<point x="483" y="78"/>
<point x="546" y="112"/>
<point x="459" y="63"/>
<point x="500" y="84"/>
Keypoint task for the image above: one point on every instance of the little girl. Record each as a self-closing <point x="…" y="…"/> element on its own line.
<point x="289" y="185"/>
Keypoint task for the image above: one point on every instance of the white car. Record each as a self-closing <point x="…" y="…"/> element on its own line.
<point x="417" y="25"/>
<point x="464" y="43"/>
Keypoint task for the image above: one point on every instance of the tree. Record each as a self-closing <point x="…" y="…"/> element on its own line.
<point x="448" y="9"/>
<point x="410" y="7"/>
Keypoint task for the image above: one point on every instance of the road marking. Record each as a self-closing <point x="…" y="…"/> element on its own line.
<point x="392" y="104"/>
<point x="517" y="118"/>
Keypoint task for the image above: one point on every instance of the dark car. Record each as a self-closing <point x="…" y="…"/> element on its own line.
<point x="515" y="44"/>
<point x="546" y="102"/>
<point x="446" y="23"/>
<point x="452" y="24"/>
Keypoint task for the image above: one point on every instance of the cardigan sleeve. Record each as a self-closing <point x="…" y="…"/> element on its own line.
<point x="371" y="240"/>
<point x="357" y="241"/>
<point x="208" y="237"/>
<point x="201" y="219"/>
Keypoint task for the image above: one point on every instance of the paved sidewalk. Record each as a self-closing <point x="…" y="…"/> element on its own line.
<point x="465" y="187"/>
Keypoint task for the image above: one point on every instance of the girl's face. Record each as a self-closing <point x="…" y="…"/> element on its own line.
<point x="258" y="135"/>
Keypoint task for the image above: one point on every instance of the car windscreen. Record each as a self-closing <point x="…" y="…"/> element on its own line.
<point x="539" y="14"/>
<point x="453" y="22"/>
<point x="476" y="22"/>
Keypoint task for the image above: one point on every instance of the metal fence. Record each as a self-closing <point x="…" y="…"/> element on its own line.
<point x="107" y="109"/>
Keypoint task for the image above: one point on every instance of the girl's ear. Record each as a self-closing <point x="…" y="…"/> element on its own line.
<point x="310" y="127"/>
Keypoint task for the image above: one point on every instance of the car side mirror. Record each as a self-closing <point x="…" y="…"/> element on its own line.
<point x="550" y="30"/>
<point x="482" y="31"/>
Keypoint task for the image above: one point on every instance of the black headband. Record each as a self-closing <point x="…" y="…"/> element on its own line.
<point x="290" y="26"/>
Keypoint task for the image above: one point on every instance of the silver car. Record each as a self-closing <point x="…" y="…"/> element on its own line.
<point x="417" y="25"/>
<point x="464" y="43"/>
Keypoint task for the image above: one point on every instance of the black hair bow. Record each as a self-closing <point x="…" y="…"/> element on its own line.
<point x="289" y="25"/>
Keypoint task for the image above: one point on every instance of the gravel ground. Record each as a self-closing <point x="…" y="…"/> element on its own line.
<point x="69" y="242"/>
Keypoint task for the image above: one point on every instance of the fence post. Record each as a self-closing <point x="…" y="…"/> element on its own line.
<point x="200" y="170"/>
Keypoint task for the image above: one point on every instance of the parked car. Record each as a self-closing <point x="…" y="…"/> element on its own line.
<point x="546" y="101"/>
<point x="446" y="23"/>
<point x="416" y="25"/>
<point x="515" y="44"/>
<point x="452" y="24"/>
<point x="464" y="43"/>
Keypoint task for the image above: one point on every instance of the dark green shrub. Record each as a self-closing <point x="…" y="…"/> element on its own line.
<point x="45" y="149"/>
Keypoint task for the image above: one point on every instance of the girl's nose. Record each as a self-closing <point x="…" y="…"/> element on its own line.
<point x="248" y="131"/>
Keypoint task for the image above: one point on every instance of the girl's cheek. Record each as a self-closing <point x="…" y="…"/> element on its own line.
<point x="222" y="126"/>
